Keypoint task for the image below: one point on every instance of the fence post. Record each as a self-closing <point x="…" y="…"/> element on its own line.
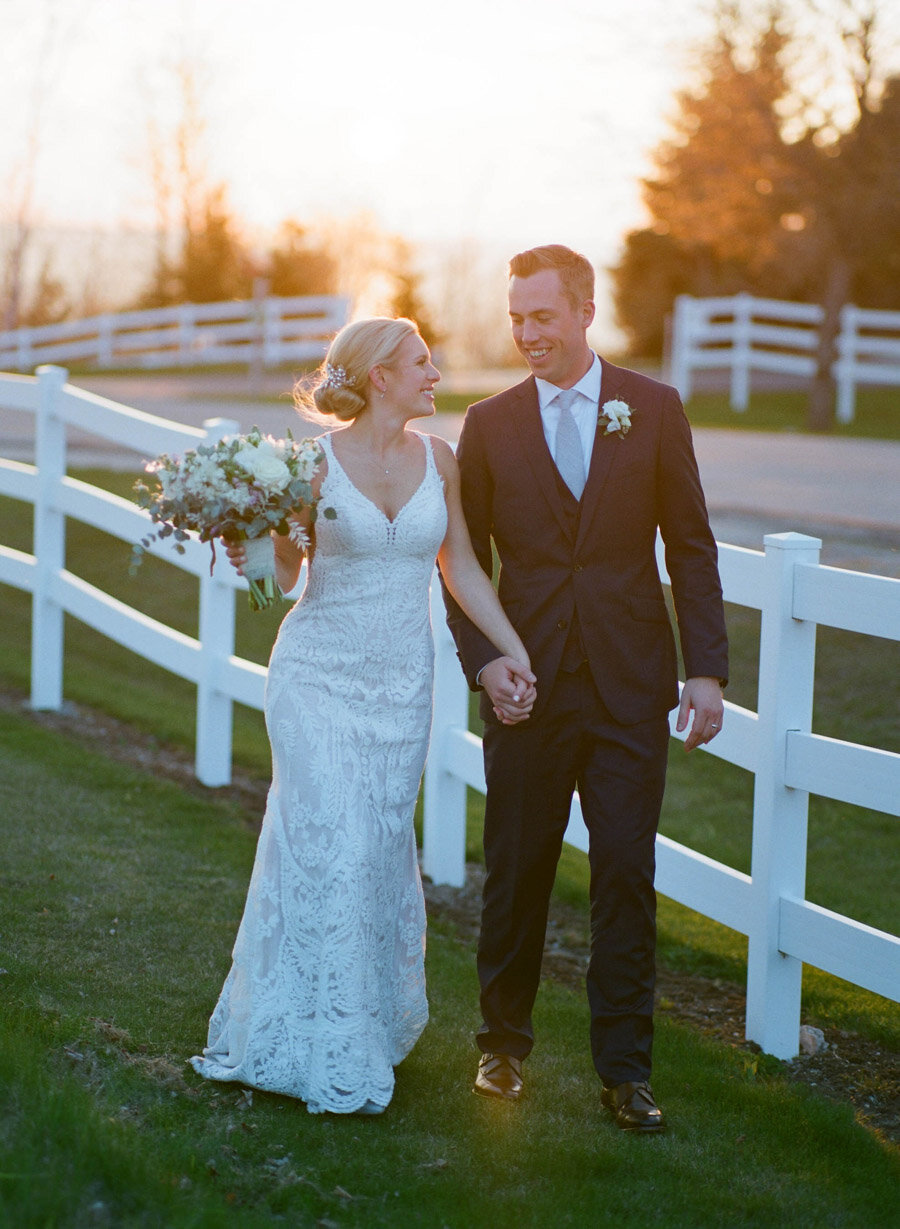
<point x="740" y="352"/>
<point x="681" y="343"/>
<point x="105" y="332"/>
<point x="24" y="357"/>
<point x="212" y="758"/>
<point x="787" y="651"/>
<point x="271" y="332"/>
<point x="257" y="321"/>
<point x="47" y="619"/>
<point x="444" y="818"/>
<point x="186" y="326"/>
<point x="845" y="367"/>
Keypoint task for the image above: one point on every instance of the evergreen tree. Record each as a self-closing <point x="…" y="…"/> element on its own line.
<point x="215" y="262"/>
<point x="297" y="265"/>
<point x="760" y="189"/>
<point x="407" y="299"/>
<point x="724" y="179"/>
<point x="724" y="198"/>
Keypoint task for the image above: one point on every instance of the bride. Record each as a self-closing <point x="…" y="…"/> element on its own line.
<point x="326" y="992"/>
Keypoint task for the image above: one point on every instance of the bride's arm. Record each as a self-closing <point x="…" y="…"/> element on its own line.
<point x="289" y="553"/>
<point x="463" y="574"/>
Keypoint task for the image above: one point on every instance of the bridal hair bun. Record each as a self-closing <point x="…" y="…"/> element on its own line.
<point x="335" y="394"/>
<point x="341" y="387"/>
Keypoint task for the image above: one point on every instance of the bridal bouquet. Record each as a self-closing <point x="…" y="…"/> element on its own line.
<point x="241" y="487"/>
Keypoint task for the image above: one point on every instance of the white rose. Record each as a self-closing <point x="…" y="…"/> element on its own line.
<point x="267" y="469"/>
<point x="618" y="416"/>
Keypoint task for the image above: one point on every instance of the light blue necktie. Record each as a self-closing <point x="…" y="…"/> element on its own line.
<point x="569" y="454"/>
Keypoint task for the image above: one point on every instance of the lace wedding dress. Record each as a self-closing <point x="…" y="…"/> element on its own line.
<point x="326" y="993"/>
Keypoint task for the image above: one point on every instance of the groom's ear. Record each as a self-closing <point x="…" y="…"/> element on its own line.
<point x="588" y="311"/>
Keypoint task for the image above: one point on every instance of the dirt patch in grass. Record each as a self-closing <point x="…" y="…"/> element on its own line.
<point x="847" y="1067"/>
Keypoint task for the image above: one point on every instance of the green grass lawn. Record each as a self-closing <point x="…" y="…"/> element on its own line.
<point x="120" y="899"/>
<point x="877" y="414"/>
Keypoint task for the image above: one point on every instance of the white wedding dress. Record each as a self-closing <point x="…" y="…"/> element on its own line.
<point x="326" y="993"/>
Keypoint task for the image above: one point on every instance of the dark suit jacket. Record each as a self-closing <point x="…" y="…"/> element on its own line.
<point x="601" y="563"/>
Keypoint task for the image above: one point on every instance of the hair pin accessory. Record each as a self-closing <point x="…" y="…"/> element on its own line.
<point x="335" y="377"/>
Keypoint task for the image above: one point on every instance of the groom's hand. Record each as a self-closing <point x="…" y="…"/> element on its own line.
<point x="704" y="696"/>
<point x="510" y="686"/>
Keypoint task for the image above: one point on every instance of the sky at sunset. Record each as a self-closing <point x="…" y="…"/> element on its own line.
<point x="482" y="126"/>
<point x="507" y="121"/>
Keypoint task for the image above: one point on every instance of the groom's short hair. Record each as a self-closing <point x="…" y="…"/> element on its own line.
<point x="575" y="271"/>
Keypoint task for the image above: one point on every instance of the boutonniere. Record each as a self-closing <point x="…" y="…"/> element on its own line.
<point x="616" y="417"/>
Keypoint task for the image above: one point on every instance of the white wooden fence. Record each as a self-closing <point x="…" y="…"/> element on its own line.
<point x="786" y="583"/>
<point x="745" y="334"/>
<point x="266" y="331"/>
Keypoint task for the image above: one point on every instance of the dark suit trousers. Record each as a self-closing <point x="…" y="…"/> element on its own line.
<point x="532" y="769"/>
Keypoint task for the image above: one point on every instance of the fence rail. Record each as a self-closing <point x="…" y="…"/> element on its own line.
<point x="786" y="582"/>
<point x="746" y="334"/>
<point x="265" y="331"/>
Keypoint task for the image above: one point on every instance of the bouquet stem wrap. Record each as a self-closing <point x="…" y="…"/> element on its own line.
<point x="259" y="571"/>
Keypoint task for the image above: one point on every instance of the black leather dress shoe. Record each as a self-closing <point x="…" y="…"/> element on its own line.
<point x="499" y="1075"/>
<point x="633" y="1106"/>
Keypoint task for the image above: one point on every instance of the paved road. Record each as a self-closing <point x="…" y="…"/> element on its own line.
<point x="846" y="491"/>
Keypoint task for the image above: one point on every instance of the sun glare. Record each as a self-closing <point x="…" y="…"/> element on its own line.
<point x="446" y="122"/>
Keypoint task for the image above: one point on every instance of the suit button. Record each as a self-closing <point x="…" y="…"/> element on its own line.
<point x="563" y="624"/>
<point x="579" y="567"/>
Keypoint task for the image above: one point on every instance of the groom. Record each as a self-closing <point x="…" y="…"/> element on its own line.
<point x="570" y="473"/>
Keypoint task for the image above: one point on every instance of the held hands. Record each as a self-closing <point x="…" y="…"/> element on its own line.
<point x="704" y="696"/>
<point x="510" y="686"/>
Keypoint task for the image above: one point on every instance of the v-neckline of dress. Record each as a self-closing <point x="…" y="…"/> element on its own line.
<point x="370" y="501"/>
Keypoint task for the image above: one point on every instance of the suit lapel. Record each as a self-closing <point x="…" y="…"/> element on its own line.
<point x="529" y="429"/>
<point x="603" y="452"/>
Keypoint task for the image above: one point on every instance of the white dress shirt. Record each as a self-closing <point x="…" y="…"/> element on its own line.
<point x="585" y="409"/>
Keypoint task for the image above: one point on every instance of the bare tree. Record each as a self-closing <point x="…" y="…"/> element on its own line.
<point x="54" y="36"/>
<point x="184" y="202"/>
<point x="470" y="308"/>
<point x="849" y="156"/>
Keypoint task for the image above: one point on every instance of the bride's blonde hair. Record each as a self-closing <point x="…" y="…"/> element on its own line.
<point x="340" y="387"/>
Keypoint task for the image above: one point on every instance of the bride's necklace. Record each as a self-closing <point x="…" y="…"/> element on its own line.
<point x="381" y="463"/>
